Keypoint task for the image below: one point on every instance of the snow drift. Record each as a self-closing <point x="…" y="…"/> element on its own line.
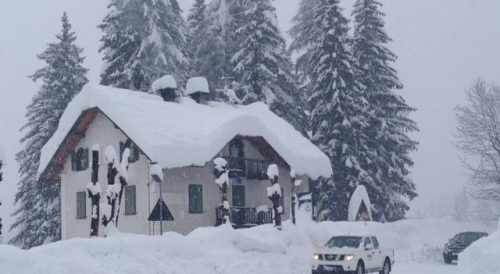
<point x="223" y="250"/>
<point x="186" y="133"/>
<point x="482" y="256"/>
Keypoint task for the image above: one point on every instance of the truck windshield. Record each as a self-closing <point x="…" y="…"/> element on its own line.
<point x="344" y="241"/>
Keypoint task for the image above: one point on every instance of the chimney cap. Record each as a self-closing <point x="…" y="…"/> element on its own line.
<point x="197" y="84"/>
<point x="167" y="81"/>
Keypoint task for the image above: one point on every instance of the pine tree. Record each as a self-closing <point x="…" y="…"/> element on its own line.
<point x="390" y="144"/>
<point x="38" y="212"/>
<point x="261" y="65"/>
<point x="143" y="40"/>
<point x="338" y="108"/>
<point x="196" y="26"/>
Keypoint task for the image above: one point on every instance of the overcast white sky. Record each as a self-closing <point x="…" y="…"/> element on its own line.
<point x="442" y="46"/>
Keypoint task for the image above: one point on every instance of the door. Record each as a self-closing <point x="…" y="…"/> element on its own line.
<point x="238" y="211"/>
<point x="378" y="256"/>
<point x="370" y="254"/>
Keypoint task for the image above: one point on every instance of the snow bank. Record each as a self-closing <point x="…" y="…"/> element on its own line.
<point x="221" y="250"/>
<point x="186" y="133"/>
<point x="197" y="84"/>
<point x="482" y="256"/>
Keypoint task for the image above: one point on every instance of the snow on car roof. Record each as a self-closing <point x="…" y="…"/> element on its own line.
<point x="186" y="133"/>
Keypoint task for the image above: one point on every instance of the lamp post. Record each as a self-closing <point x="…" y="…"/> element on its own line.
<point x="156" y="174"/>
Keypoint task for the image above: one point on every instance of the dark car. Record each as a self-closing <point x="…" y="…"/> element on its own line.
<point x="459" y="243"/>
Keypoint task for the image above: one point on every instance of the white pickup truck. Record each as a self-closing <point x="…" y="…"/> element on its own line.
<point x="352" y="254"/>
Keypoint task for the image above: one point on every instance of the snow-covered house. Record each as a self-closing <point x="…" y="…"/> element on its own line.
<point x="183" y="138"/>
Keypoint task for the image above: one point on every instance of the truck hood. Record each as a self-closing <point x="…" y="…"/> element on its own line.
<point x="337" y="250"/>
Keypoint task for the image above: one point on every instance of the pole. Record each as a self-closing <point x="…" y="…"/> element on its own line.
<point x="293" y="198"/>
<point x="161" y="209"/>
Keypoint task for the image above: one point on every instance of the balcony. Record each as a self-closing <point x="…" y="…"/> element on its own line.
<point x="248" y="168"/>
<point x="245" y="217"/>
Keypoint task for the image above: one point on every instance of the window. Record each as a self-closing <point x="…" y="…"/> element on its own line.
<point x="195" y="199"/>
<point x="81" y="205"/>
<point x="130" y="200"/>
<point x="238" y="195"/>
<point x="256" y="169"/>
<point x="367" y="241"/>
<point x="134" y="151"/>
<point x="375" y="242"/>
<point x="80" y="159"/>
<point x="236" y="155"/>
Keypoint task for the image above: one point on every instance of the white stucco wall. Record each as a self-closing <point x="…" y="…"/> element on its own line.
<point x="104" y="133"/>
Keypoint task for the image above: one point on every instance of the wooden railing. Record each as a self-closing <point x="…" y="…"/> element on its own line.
<point x="249" y="168"/>
<point x="242" y="217"/>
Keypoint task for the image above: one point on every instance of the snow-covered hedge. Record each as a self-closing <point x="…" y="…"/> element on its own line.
<point x="482" y="256"/>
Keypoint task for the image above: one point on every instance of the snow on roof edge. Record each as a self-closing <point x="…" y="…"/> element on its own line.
<point x="296" y="150"/>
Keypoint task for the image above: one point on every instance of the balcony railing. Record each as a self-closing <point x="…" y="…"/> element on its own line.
<point x="249" y="168"/>
<point x="243" y="217"/>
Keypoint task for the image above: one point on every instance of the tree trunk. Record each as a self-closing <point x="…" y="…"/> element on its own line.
<point x="95" y="196"/>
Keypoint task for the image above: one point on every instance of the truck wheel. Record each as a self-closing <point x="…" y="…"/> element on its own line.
<point x="360" y="269"/>
<point x="386" y="269"/>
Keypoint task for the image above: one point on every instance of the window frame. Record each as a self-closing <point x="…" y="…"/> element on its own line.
<point x="135" y="152"/>
<point x="80" y="159"/>
<point x="233" y="187"/>
<point x="127" y="210"/>
<point x="81" y="201"/>
<point x="195" y="208"/>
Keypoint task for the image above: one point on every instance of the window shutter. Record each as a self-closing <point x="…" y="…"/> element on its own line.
<point x="73" y="161"/>
<point x="81" y="205"/>
<point x="130" y="200"/>
<point x="122" y="148"/>
<point x="86" y="159"/>
<point x="195" y="199"/>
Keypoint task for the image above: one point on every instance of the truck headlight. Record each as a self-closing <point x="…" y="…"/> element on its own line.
<point x="349" y="257"/>
<point x="317" y="257"/>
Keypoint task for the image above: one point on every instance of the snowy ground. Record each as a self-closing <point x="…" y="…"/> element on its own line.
<point x="260" y="250"/>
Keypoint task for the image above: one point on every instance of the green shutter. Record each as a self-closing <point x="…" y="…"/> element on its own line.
<point x="73" y="161"/>
<point x="195" y="199"/>
<point x="130" y="200"/>
<point x="81" y="205"/>
<point x="135" y="153"/>
<point x="86" y="159"/>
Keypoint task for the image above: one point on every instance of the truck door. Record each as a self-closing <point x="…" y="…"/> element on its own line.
<point x="378" y="257"/>
<point x="370" y="254"/>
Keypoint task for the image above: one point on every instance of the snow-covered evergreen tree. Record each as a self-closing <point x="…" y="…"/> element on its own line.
<point x="261" y="65"/>
<point x="143" y="40"/>
<point x="390" y="146"/>
<point x="338" y="108"/>
<point x="38" y="203"/>
<point x="196" y="26"/>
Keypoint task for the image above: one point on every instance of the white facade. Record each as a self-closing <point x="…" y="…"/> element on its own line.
<point x="175" y="189"/>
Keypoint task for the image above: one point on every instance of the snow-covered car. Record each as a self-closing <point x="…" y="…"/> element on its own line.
<point x="352" y="254"/>
<point x="459" y="243"/>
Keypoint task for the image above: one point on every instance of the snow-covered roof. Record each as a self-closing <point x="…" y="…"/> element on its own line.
<point x="359" y="195"/>
<point x="167" y="81"/>
<point x="186" y="133"/>
<point x="197" y="84"/>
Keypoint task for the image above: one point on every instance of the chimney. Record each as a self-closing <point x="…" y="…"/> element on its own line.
<point x="197" y="89"/>
<point x="166" y="87"/>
